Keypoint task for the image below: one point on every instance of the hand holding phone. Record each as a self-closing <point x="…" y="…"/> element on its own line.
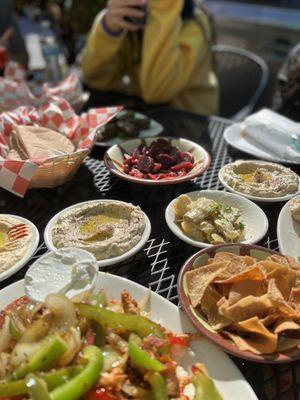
<point x="125" y="14"/>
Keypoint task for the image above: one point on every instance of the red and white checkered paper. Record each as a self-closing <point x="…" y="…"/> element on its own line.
<point x="16" y="91"/>
<point x="56" y="114"/>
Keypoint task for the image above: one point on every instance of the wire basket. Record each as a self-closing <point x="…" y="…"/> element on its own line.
<point x="58" y="171"/>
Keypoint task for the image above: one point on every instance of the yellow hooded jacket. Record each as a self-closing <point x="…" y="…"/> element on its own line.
<point x="171" y="64"/>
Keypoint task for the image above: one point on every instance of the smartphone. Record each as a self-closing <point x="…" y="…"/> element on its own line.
<point x="139" y="21"/>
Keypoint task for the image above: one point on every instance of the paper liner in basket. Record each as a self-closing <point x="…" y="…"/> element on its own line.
<point x="16" y="91"/>
<point x="15" y="175"/>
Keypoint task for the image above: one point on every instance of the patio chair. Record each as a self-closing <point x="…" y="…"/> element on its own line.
<point x="243" y="77"/>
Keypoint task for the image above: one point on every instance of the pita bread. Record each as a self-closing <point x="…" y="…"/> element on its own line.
<point x="32" y="142"/>
<point x="261" y="341"/>
<point x="286" y="325"/>
<point x="246" y="288"/>
<point x="245" y="308"/>
<point x="295" y="295"/>
<point x="235" y="264"/>
<point x="198" y="279"/>
<point x="252" y="273"/>
<point x="210" y="309"/>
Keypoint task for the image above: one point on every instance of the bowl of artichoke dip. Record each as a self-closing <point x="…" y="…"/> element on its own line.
<point x="209" y="217"/>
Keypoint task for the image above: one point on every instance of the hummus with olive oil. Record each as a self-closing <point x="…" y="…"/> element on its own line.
<point x="107" y="229"/>
<point x="261" y="179"/>
<point x="10" y="255"/>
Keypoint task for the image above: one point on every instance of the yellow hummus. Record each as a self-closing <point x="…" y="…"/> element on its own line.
<point x="8" y="257"/>
<point x="106" y="229"/>
<point x="263" y="179"/>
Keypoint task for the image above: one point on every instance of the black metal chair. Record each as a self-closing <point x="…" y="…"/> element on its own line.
<point x="243" y="77"/>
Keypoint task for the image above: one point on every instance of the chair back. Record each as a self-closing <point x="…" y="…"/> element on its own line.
<point x="243" y="77"/>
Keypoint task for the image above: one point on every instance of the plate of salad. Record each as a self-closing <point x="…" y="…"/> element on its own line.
<point x="107" y="345"/>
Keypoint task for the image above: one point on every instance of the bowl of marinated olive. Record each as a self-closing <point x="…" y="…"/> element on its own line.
<point x="127" y="125"/>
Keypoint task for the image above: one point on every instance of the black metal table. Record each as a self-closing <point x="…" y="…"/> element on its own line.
<point x="158" y="264"/>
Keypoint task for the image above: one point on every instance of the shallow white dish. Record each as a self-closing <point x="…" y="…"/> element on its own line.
<point x="107" y="261"/>
<point x="154" y="129"/>
<point x="228" y="379"/>
<point x="288" y="233"/>
<point x="30" y="251"/>
<point x="233" y="135"/>
<point x="252" y="216"/>
<point x="256" y="198"/>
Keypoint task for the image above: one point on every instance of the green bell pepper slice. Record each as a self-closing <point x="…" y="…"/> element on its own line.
<point x="37" y="388"/>
<point x="100" y="301"/>
<point x="85" y="380"/>
<point x="50" y="350"/>
<point x="52" y="379"/>
<point x="133" y="323"/>
<point x="15" y="330"/>
<point x="140" y="357"/>
<point x="158" y="385"/>
<point x="205" y="387"/>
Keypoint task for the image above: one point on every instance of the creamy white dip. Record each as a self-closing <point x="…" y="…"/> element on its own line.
<point x="68" y="271"/>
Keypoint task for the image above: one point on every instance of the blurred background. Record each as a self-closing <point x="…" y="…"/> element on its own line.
<point x="269" y="28"/>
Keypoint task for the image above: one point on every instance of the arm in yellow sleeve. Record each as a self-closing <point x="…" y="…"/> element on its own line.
<point x="171" y="51"/>
<point x="100" y="58"/>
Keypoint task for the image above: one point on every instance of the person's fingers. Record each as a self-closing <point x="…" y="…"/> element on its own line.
<point x="128" y="26"/>
<point x="126" y="3"/>
<point x="130" y="12"/>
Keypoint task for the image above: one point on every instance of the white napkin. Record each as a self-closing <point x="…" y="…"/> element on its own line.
<point x="274" y="134"/>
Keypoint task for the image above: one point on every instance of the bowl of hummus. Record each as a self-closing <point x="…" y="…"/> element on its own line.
<point x="260" y="180"/>
<point x="111" y="230"/>
<point x="19" y="239"/>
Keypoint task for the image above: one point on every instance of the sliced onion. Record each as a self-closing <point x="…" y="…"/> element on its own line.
<point x="133" y="390"/>
<point x="32" y="309"/>
<point x="38" y="329"/>
<point x="82" y="297"/>
<point x="111" y="357"/>
<point x="74" y="343"/>
<point x="144" y="302"/>
<point x="63" y="310"/>
<point x="5" y="365"/>
<point x="5" y="336"/>
<point x="22" y="352"/>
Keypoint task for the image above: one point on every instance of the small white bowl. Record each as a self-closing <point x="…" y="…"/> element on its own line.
<point x="30" y="251"/>
<point x="288" y="233"/>
<point x="256" y="198"/>
<point x="252" y="216"/>
<point x="107" y="261"/>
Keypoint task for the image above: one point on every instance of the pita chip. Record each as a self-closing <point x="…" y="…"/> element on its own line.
<point x="198" y="279"/>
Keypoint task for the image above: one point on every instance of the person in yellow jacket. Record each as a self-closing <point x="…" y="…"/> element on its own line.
<point x="167" y="61"/>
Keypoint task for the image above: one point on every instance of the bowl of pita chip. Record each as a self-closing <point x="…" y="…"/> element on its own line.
<point x="246" y="299"/>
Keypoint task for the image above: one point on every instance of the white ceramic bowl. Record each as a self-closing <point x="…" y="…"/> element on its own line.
<point x="30" y="251"/>
<point x="107" y="261"/>
<point x="114" y="159"/>
<point x="252" y="216"/>
<point x="288" y="233"/>
<point x="256" y="198"/>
